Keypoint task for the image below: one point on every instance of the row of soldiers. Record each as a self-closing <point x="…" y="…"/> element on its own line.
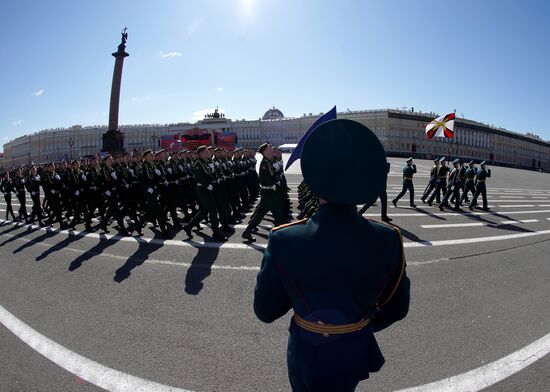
<point x="445" y="186"/>
<point x="213" y="185"/>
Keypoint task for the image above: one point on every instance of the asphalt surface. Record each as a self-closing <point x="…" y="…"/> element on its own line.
<point x="180" y="313"/>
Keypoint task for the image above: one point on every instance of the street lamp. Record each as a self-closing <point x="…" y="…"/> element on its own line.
<point x="71" y="144"/>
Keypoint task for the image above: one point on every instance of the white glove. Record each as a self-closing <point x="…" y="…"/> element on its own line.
<point x="170" y="170"/>
<point x="157" y="172"/>
<point x="150" y="190"/>
<point x="132" y="171"/>
<point x="165" y="183"/>
<point x="22" y="181"/>
<point x="113" y="174"/>
<point x="57" y="177"/>
<point x="180" y="167"/>
<point x="77" y="193"/>
<point x="108" y="193"/>
<point x="52" y="192"/>
<point x="84" y="178"/>
<point x="37" y="178"/>
<point x="211" y="165"/>
<point x="127" y="186"/>
<point x="209" y="187"/>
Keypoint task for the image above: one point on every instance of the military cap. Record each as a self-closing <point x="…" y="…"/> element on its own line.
<point x="201" y="149"/>
<point x="107" y="157"/>
<point x="74" y="161"/>
<point x="471" y="163"/>
<point x="262" y="147"/>
<point x="344" y="179"/>
<point x="436" y="160"/>
<point x="456" y="161"/>
<point x="482" y="163"/>
<point x="410" y="159"/>
<point x="147" y="152"/>
<point x="442" y="159"/>
<point x="160" y="152"/>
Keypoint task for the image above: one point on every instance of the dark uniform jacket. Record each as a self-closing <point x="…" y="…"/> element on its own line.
<point x="338" y="268"/>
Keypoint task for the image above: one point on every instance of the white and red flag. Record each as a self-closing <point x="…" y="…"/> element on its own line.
<point x="441" y="127"/>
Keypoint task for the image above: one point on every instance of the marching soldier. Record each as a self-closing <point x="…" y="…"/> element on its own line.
<point x="339" y="303"/>
<point x="453" y="187"/>
<point x="270" y="197"/>
<point x="33" y="187"/>
<point x="6" y="187"/>
<point x="78" y="184"/>
<point x="469" y="183"/>
<point x="383" y="201"/>
<point x="111" y="186"/>
<point x="408" y="171"/>
<point x="152" y="180"/>
<point x="21" y="194"/>
<point x="440" y="181"/>
<point x="204" y="176"/>
<point x="481" y="175"/>
<point x="52" y="185"/>
<point x="431" y="183"/>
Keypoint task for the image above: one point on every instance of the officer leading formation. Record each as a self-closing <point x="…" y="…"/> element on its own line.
<point x="338" y="303"/>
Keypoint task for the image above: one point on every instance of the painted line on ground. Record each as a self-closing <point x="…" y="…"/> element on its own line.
<point x="87" y="369"/>
<point x="262" y="246"/>
<point x="487" y="375"/>
<point x="451" y="225"/>
<point x="463" y="213"/>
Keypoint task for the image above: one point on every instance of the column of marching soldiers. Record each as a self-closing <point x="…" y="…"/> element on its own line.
<point x="211" y="185"/>
<point x="445" y="185"/>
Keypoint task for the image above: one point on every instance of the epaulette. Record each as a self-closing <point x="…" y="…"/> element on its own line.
<point x="298" y="222"/>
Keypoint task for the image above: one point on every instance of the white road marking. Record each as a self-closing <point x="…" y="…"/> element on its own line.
<point x="428" y="213"/>
<point x="487" y="375"/>
<point x="476" y="224"/>
<point x="262" y="246"/>
<point x="513" y="197"/>
<point x="91" y="371"/>
<point x="517" y="205"/>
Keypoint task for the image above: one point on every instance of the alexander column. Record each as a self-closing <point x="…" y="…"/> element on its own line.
<point x="113" y="139"/>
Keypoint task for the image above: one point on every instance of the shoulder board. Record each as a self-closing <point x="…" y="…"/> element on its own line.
<point x="298" y="222"/>
<point x="387" y="225"/>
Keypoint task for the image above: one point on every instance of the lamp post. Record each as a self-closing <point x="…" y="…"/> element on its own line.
<point x="71" y="144"/>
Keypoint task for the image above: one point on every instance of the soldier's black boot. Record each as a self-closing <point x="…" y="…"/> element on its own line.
<point x="218" y="235"/>
<point x="386" y="218"/>
<point x="187" y="228"/>
<point x="394" y="202"/>
<point x="227" y="229"/>
<point x="247" y="234"/>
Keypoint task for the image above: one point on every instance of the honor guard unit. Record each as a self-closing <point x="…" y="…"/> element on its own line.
<point x="214" y="186"/>
<point x="338" y="303"/>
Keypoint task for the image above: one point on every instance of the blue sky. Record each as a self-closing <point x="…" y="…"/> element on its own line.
<point x="489" y="60"/>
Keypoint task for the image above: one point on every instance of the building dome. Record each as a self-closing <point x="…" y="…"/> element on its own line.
<point x="273" y="114"/>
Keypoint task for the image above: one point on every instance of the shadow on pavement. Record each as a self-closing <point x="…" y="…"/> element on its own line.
<point x="144" y="250"/>
<point x="411" y="236"/>
<point x="20" y="235"/>
<point x="496" y="225"/>
<point x="200" y="269"/>
<point x="54" y="248"/>
<point x="39" y="239"/>
<point x="96" y="250"/>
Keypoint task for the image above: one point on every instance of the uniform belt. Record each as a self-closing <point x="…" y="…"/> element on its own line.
<point x="407" y="178"/>
<point x="329" y="329"/>
<point x="441" y="178"/>
<point x="271" y="188"/>
<point x="480" y="180"/>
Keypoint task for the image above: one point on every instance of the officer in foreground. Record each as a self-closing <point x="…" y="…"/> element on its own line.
<point x="338" y="302"/>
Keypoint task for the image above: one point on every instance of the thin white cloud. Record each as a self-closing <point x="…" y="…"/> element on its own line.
<point x="199" y="114"/>
<point x="135" y="99"/>
<point x="16" y="123"/>
<point x="193" y="27"/>
<point x="169" y="55"/>
<point x="220" y="89"/>
<point x="6" y="138"/>
<point x="39" y="92"/>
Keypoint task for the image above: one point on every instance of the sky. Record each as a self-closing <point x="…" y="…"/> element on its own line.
<point x="488" y="60"/>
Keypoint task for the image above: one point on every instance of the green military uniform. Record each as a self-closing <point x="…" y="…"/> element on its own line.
<point x="481" y="188"/>
<point x="440" y="181"/>
<point x="270" y="197"/>
<point x="469" y="185"/>
<point x="338" y="302"/>
<point x="408" y="172"/>
<point x="151" y="180"/>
